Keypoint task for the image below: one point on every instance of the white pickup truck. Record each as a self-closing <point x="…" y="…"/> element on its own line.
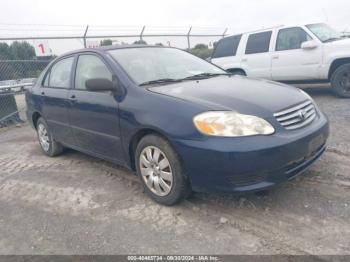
<point x="312" y="53"/>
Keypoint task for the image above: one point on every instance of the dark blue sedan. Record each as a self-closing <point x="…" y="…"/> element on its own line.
<point x="180" y="122"/>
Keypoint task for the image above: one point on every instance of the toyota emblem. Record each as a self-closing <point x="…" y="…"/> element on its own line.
<point x="302" y="115"/>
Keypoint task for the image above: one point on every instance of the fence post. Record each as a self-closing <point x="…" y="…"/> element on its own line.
<point x="141" y="34"/>
<point x="84" y="37"/>
<point x="224" y="33"/>
<point x="188" y="38"/>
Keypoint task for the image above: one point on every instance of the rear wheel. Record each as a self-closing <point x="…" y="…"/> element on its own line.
<point x="160" y="171"/>
<point x="340" y="81"/>
<point x="47" y="143"/>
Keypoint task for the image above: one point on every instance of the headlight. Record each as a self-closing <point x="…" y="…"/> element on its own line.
<point x="231" y="124"/>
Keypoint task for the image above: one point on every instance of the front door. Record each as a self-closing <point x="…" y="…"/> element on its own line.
<point x="290" y="61"/>
<point x="94" y="116"/>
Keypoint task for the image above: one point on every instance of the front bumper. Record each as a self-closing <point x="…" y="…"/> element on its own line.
<point x="254" y="163"/>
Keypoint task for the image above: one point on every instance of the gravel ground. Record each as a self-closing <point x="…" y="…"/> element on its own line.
<point x="76" y="204"/>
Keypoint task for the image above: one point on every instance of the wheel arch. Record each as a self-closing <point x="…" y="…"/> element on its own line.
<point x="136" y="138"/>
<point x="337" y="63"/>
<point x="35" y="116"/>
<point x="232" y="70"/>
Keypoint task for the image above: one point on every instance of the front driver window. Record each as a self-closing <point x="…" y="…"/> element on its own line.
<point x="88" y="67"/>
<point x="291" y="38"/>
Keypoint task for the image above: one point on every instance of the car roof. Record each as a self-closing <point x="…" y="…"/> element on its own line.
<point x="274" y="27"/>
<point x="102" y="49"/>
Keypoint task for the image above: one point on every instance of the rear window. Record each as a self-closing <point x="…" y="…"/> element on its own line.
<point x="227" y="46"/>
<point x="258" y="43"/>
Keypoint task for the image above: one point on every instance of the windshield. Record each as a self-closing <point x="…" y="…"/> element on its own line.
<point x="153" y="63"/>
<point x="324" y="32"/>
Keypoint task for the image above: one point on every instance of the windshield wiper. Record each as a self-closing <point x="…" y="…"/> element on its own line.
<point x="160" y="81"/>
<point x="331" y="39"/>
<point x="204" y="75"/>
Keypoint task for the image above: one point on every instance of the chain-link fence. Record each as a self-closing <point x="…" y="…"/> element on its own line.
<point x="21" y="69"/>
<point x="15" y="76"/>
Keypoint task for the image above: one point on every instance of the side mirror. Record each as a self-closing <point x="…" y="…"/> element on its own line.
<point x="309" y="45"/>
<point x="100" y="84"/>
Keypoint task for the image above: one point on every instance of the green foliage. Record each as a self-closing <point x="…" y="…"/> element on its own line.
<point x="14" y="69"/>
<point x="140" y="42"/>
<point x="201" y="50"/>
<point x="17" y="51"/>
<point x="22" y="51"/>
<point x="5" y="52"/>
<point x="106" y="42"/>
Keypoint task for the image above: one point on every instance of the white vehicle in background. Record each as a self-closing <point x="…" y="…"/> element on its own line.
<point x="313" y="53"/>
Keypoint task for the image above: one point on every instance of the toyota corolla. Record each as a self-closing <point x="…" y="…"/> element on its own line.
<point x="180" y="123"/>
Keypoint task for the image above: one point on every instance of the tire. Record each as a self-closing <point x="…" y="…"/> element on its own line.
<point x="151" y="157"/>
<point x="237" y="72"/>
<point x="340" y="81"/>
<point x="47" y="143"/>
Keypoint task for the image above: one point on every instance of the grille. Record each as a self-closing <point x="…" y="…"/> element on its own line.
<point x="297" y="116"/>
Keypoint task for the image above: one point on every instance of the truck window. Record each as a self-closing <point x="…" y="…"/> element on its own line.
<point x="291" y="38"/>
<point x="227" y="46"/>
<point x="258" y="43"/>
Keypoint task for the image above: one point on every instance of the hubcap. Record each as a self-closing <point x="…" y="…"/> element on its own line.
<point x="345" y="82"/>
<point x="156" y="170"/>
<point x="43" y="137"/>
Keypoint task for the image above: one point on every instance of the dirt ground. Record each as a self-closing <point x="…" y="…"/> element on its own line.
<point x="76" y="204"/>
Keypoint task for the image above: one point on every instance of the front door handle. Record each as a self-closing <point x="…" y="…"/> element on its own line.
<point x="42" y="93"/>
<point x="72" y="97"/>
<point x="275" y="56"/>
<point x="244" y="59"/>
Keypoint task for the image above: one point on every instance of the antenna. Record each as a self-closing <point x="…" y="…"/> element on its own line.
<point x="325" y="14"/>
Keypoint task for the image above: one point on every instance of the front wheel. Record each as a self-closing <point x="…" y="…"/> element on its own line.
<point x="49" y="146"/>
<point x="160" y="171"/>
<point x="340" y="81"/>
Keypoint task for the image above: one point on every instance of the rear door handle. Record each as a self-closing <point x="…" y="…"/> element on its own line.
<point x="42" y="93"/>
<point x="72" y="97"/>
<point x="244" y="59"/>
<point x="275" y="56"/>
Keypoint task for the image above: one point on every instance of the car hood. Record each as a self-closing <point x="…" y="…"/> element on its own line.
<point x="237" y="93"/>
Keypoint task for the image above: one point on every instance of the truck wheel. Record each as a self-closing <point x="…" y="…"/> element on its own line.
<point x="160" y="171"/>
<point x="47" y="143"/>
<point x="237" y="72"/>
<point x="340" y="81"/>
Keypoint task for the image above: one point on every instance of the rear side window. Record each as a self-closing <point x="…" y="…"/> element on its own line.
<point x="227" y="46"/>
<point x="60" y="73"/>
<point x="88" y="67"/>
<point x="291" y="38"/>
<point x="258" y="43"/>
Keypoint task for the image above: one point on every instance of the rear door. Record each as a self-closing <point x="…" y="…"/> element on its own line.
<point x="290" y="61"/>
<point x="256" y="60"/>
<point x="94" y="116"/>
<point x="55" y="104"/>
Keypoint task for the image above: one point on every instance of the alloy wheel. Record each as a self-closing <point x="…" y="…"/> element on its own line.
<point x="43" y="137"/>
<point x="156" y="171"/>
<point x="344" y="82"/>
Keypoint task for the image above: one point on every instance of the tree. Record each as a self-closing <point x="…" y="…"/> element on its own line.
<point x="22" y="51"/>
<point x="5" y="52"/>
<point x="140" y="42"/>
<point x="106" y="42"/>
<point x="201" y="50"/>
<point x="200" y="46"/>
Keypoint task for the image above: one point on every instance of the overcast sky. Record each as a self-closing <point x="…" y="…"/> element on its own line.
<point x="237" y="15"/>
